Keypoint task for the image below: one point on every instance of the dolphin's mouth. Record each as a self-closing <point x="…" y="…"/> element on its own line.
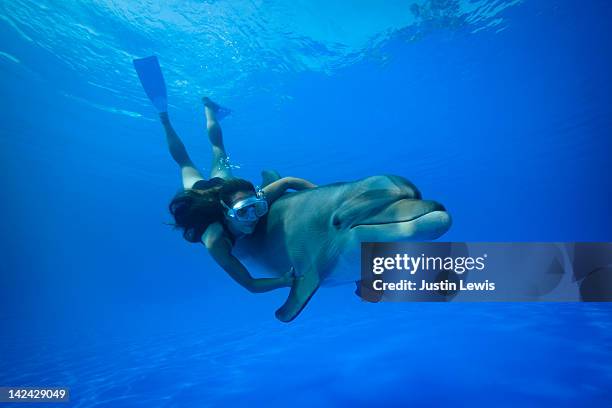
<point x="388" y="215"/>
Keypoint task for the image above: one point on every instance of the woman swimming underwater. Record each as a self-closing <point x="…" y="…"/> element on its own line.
<point x="222" y="209"/>
<point x="309" y="233"/>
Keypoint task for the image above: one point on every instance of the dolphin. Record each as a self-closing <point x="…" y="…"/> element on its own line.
<point x="313" y="230"/>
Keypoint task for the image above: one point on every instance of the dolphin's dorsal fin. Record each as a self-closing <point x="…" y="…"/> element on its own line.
<point x="269" y="176"/>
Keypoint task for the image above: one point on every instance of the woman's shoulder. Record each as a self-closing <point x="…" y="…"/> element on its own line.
<point x="216" y="232"/>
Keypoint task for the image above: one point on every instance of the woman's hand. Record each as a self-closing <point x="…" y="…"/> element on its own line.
<point x="289" y="276"/>
<point x="277" y="188"/>
<point x="299" y="183"/>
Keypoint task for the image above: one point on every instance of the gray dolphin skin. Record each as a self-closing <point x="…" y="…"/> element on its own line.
<point x="312" y="230"/>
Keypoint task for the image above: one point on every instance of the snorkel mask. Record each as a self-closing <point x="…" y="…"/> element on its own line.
<point x="245" y="213"/>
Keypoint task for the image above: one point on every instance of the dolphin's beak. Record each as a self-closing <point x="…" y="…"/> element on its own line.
<point x="403" y="210"/>
<point x="405" y="219"/>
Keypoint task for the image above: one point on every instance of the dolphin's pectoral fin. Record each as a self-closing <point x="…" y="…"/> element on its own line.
<point x="269" y="176"/>
<point x="304" y="287"/>
<point x="365" y="292"/>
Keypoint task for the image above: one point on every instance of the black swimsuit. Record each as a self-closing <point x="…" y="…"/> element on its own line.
<point x="214" y="182"/>
<point x="206" y="184"/>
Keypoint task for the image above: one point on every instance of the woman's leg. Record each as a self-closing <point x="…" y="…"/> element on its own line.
<point x="189" y="172"/>
<point x="219" y="166"/>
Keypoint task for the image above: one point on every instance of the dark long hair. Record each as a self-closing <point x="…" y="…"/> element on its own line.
<point x="194" y="210"/>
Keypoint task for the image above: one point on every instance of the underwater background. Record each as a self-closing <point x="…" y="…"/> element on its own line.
<point x="500" y="110"/>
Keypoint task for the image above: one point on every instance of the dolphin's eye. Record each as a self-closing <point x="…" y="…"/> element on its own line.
<point x="336" y="221"/>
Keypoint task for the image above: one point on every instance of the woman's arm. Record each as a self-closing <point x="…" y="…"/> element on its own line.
<point x="220" y="248"/>
<point x="276" y="189"/>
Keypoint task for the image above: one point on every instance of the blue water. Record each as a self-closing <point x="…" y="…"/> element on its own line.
<point x="500" y="110"/>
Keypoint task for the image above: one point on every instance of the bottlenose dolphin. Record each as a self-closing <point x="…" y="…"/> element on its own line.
<point x="311" y="230"/>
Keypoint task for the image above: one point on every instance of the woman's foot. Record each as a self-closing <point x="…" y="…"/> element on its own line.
<point x="164" y="117"/>
<point x="210" y="104"/>
<point x="219" y="111"/>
